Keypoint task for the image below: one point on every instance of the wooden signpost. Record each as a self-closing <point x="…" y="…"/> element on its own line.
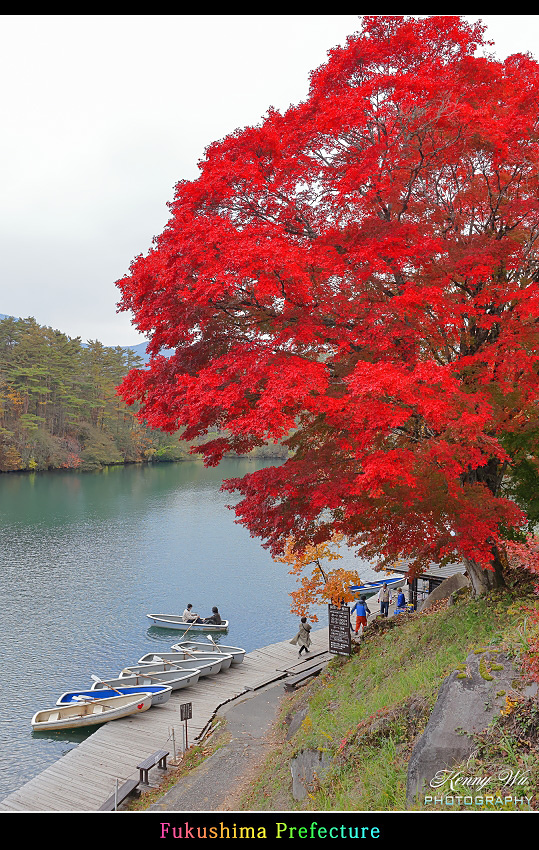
<point x="340" y="642"/>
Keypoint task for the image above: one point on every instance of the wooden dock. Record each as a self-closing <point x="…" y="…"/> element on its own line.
<point x="87" y="775"/>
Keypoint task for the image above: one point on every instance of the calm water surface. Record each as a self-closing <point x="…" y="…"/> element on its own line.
<point x="84" y="558"/>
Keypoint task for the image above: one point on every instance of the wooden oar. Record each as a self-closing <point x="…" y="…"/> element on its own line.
<point x="170" y="663"/>
<point x="194" y="623"/>
<point x="146" y="676"/>
<point x="217" y="647"/>
<point x="187" y="652"/>
<point x="149" y="676"/>
<point x="97" y="679"/>
<point x="194" y="652"/>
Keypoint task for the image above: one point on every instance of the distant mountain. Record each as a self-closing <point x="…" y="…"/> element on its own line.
<point x="140" y="350"/>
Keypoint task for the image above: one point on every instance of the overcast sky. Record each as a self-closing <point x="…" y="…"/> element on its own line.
<point x="103" y="115"/>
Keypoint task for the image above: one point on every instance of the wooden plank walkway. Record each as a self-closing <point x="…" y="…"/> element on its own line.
<point x="86" y="776"/>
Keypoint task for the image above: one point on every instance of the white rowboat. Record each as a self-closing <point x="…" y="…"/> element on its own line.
<point x="204" y="666"/>
<point x="175" y="621"/>
<point x="197" y="647"/>
<point x="90" y="713"/>
<point x="180" y="657"/>
<point x="175" y="679"/>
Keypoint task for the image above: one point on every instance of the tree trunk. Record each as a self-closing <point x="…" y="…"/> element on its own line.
<point x="484" y="580"/>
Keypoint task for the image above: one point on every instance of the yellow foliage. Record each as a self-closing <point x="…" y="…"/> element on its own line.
<point x="319" y="584"/>
<point x="510" y="705"/>
<point x="14" y="398"/>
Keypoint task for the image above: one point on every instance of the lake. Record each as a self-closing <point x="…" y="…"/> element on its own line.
<point x="85" y="556"/>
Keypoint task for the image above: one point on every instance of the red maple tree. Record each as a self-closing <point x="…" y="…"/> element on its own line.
<point x="358" y="277"/>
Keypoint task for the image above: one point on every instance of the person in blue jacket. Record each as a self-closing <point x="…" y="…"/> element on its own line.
<point x="361" y="608"/>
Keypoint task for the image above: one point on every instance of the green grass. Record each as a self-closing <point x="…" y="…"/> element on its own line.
<point x="367" y="711"/>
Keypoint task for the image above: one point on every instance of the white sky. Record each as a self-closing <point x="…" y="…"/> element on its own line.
<point x="103" y="115"/>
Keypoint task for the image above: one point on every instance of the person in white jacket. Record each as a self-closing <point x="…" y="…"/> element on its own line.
<point x="303" y="637"/>
<point x="384" y="598"/>
<point x="189" y="616"/>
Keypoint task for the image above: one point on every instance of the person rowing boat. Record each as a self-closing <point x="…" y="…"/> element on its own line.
<point x="214" y="619"/>
<point x="189" y="615"/>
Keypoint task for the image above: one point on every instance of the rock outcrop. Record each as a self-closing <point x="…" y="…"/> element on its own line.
<point x="445" y="589"/>
<point x="467" y="701"/>
<point x="308" y="769"/>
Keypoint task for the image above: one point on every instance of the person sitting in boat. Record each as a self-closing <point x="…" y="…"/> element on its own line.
<point x="215" y="619"/>
<point x="189" y="615"/>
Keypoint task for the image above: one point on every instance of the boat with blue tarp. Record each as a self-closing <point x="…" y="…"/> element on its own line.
<point x="369" y="588"/>
<point x="160" y="694"/>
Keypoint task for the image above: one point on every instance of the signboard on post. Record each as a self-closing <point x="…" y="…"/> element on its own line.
<point x="340" y="641"/>
<point x="186" y="713"/>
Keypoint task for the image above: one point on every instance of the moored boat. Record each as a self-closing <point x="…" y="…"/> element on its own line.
<point x="160" y="694"/>
<point x="175" y="679"/>
<point x="369" y="588"/>
<point x="237" y="653"/>
<point x="205" y="666"/>
<point x="176" y="621"/>
<point x="181" y="656"/>
<point x="90" y="713"/>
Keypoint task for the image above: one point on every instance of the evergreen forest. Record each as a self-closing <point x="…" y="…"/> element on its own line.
<point x="59" y="408"/>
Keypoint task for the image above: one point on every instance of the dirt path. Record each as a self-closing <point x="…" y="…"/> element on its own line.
<point x="219" y="782"/>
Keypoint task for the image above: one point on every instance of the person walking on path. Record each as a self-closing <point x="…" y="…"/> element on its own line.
<point x="362" y="609"/>
<point x="303" y="638"/>
<point x="384" y="598"/>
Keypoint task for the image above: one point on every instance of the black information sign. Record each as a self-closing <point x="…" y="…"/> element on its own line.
<point x="340" y="642"/>
<point x="186" y="711"/>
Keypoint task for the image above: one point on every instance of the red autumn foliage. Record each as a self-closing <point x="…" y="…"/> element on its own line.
<point x="524" y="554"/>
<point x="358" y="276"/>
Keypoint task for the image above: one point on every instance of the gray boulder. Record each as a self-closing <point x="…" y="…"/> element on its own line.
<point x="308" y="769"/>
<point x="295" y="720"/>
<point x="445" y="589"/>
<point x="467" y="701"/>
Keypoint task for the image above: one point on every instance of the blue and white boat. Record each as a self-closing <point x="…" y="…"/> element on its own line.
<point x="160" y="694"/>
<point x="369" y="588"/>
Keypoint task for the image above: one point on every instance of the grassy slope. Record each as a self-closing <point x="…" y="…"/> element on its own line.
<point x="366" y="712"/>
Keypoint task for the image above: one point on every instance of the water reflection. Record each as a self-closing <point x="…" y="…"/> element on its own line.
<point x="162" y="635"/>
<point x="71" y="736"/>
